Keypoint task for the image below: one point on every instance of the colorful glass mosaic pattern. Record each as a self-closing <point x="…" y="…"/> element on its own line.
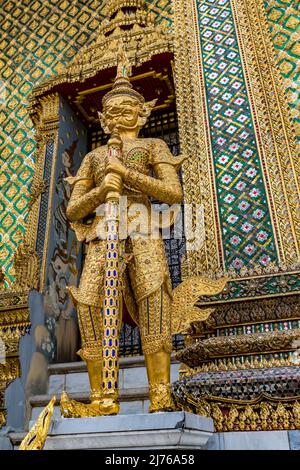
<point x="36" y="38"/>
<point x="245" y="219"/>
<point x="163" y="11"/>
<point x="258" y="328"/>
<point x="278" y="382"/>
<point x="284" y="21"/>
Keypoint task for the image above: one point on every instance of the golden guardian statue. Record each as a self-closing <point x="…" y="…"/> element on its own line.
<point x="131" y="272"/>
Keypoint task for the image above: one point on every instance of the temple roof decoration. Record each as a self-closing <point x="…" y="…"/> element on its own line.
<point x="124" y="14"/>
<point x="129" y="21"/>
<point x="115" y="5"/>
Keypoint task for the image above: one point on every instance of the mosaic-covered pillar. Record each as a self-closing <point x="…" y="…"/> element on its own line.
<point x="241" y="366"/>
<point x="239" y="136"/>
<point x="242" y="171"/>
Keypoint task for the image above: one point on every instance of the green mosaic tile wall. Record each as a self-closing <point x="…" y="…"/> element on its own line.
<point x="284" y="21"/>
<point x="36" y="37"/>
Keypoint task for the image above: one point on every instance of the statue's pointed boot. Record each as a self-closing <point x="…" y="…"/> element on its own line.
<point x="158" y="369"/>
<point x="74" y="409"/>
<point x="110" y="405"/>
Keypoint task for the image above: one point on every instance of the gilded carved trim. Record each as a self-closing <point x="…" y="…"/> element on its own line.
<point x="46" y="119"/>
<point x="10" y="370"/>
<point x="244" y="344"/>
<point x="265" y="310"/>
<point x="11" y="300"/>
<point x="264" y="413"/>
<point x="144" y="39"/>
<point x="49" y="216"/>
<point x="240" y="363"/>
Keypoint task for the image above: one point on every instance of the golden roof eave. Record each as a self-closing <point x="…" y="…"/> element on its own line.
<point x="141" y="45"/>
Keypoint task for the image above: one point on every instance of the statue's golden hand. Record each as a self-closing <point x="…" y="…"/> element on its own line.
<point x="110" y="183"/>
<point x="116" y="166"/>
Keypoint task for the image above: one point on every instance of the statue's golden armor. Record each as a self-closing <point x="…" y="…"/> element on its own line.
<point x="144" y="275"/>
<point x="146" y="283"/>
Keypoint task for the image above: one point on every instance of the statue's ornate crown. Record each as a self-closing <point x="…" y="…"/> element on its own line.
<point x="122" y="85"/>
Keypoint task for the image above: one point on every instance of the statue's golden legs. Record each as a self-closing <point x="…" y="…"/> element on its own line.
<point x="155" y="327"/>
<point x="158" y="369"/>
<point x="99" y="406"/>
<point x="94" y="368"/>
<point x="91" y="329"/>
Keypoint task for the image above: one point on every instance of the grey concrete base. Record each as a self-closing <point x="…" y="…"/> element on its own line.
<point x="178" y="430"/>
<point x="5" y="443"/>
<point x="250" y="440"/>
<point x="269" y="440"/>
<point x="294" y="438"/>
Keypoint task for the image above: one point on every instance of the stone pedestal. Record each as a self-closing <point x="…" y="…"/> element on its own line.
<point x="73" y="378"/>
<point x="178" y="430"/>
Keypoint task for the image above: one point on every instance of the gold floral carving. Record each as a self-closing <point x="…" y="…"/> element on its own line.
<point x="11" y="299"/>
<point x="9" y="371"/>
<point x="39" y="188"/>
<point x="253" y="312"/>
<point x="26" y="265"/>
<point x="186" y="295"/>
<point x="45" y="115"/>
<point x="265" y="413"/>
<point x="2" y="417"/>
<point x="236" y="345"/>
<point x="238" y="363"/>
<point x="143" y="37"/>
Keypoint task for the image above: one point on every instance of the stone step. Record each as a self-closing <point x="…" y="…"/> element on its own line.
<point x="73" y="378"/>
<point x="15" y="439"/>
<point x="132" y="401"/>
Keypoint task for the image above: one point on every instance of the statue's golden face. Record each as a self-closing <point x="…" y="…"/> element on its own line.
<point x="123" y="112"/>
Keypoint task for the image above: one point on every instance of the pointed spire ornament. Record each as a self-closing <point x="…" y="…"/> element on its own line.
<point x="122" y="85"/>
<point x="124" y="69"/>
